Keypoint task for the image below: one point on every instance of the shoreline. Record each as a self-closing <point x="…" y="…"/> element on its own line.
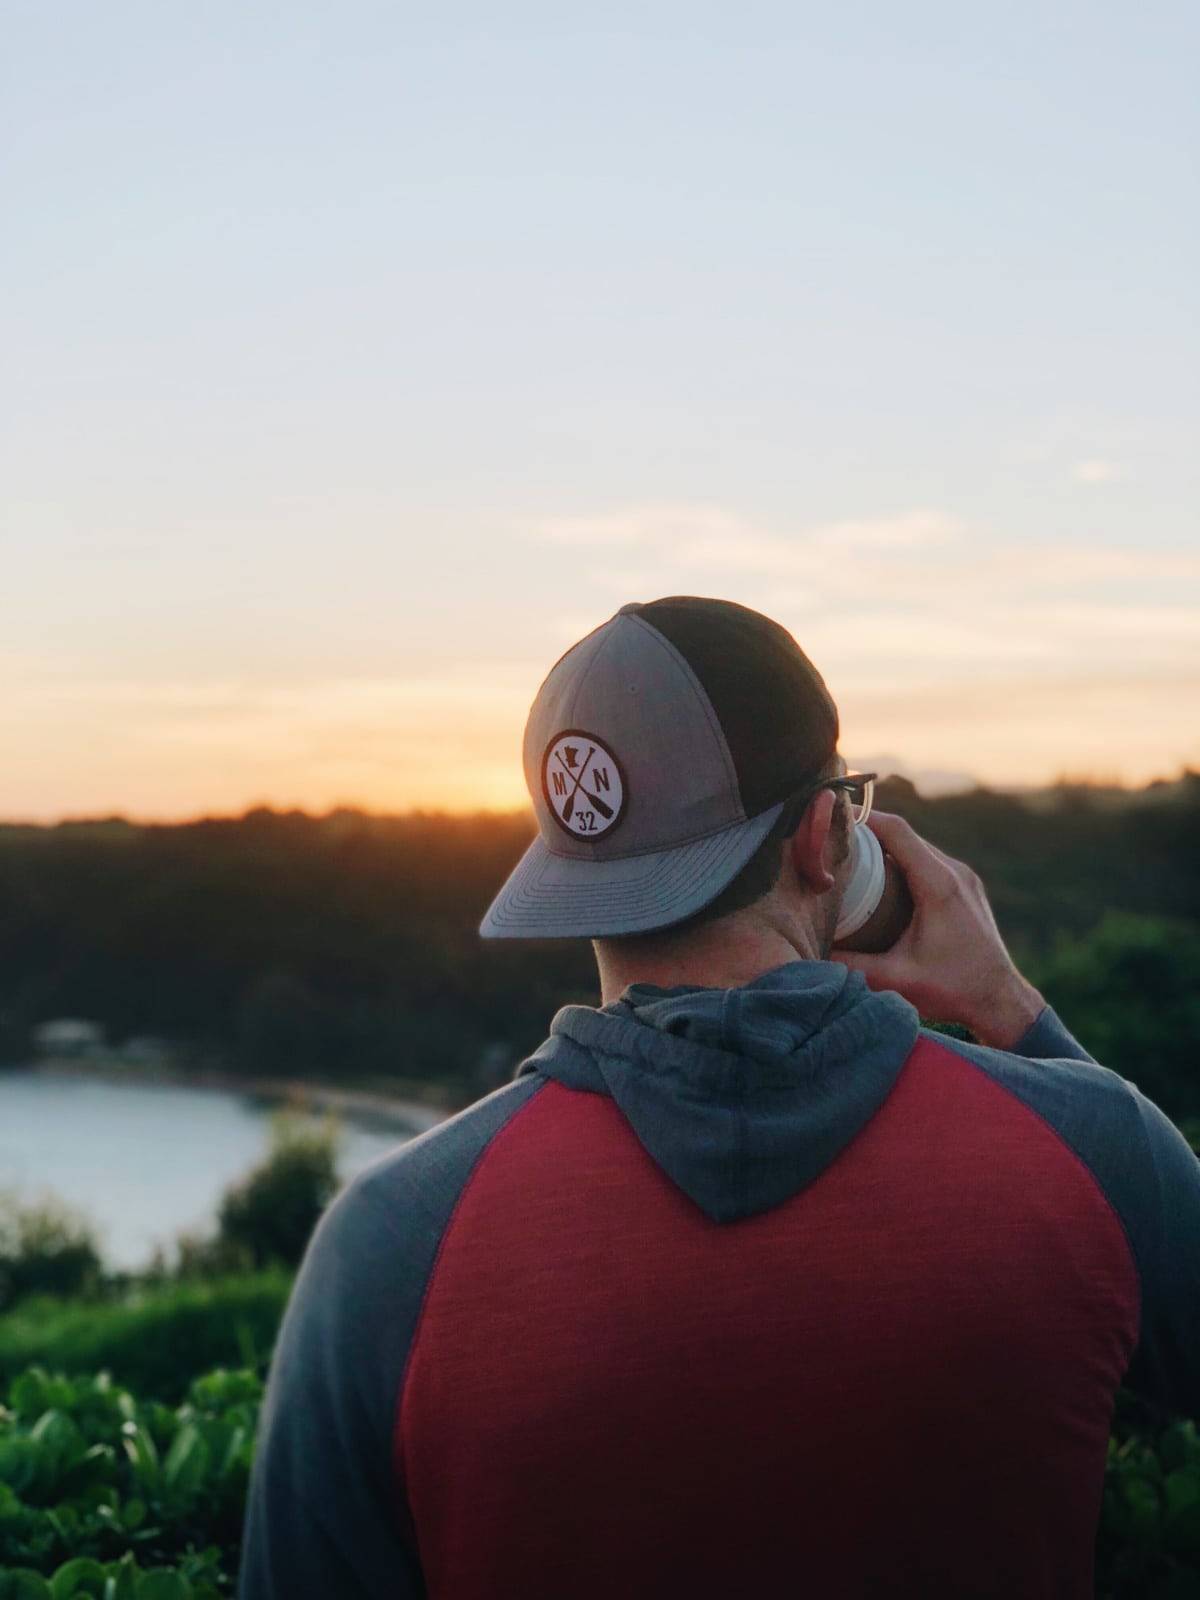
<point x="364" y="1106"/>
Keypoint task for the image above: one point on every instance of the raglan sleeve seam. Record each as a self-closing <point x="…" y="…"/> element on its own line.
<point x="1049" y="1038"/>
<point x="1075" y="1146"/>
<point x="332" y="1278"/>
<point x="399" y="1453"/>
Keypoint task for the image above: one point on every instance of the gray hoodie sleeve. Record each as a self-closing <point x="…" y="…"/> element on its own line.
<point x="322" y="1516"/>
<point x="1165" y="1223"/>
<point x="1049" y="1039"/>
<point x="327" y="1516"/>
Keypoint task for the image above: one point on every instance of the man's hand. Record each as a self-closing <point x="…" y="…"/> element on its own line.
<point x="950" y="962"/>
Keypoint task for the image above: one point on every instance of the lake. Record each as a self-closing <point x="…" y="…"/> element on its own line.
<point x="142" y="1161"/>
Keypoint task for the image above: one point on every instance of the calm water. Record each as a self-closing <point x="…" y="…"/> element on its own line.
<point x="143" y="1161"/>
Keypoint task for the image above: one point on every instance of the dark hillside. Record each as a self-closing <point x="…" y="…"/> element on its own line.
<point x="345" y="946"/>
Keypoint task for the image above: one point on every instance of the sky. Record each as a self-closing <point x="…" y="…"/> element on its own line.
<point x="361" y="358"/>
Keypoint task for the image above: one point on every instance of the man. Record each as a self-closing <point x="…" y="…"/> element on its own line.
<point x="747" y="1284"/>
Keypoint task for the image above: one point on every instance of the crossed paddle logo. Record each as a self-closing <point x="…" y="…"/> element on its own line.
<point x="583" y="784"/>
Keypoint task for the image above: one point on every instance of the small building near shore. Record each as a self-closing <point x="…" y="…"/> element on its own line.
<point x="68" y="1038"/>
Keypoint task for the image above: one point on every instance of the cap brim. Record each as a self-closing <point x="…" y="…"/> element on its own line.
<point x="549" y="896"/>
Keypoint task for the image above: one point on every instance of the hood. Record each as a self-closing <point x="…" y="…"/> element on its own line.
<point x="742" y="1096"/>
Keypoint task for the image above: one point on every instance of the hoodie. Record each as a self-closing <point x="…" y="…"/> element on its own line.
<point x="743" y="1290"/>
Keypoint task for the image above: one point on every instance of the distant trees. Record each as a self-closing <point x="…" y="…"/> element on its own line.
<point x="1130" y="991"/>
<point x="280" y="944"/>
<point x="346" y="946"/>
<point x="282" y="1029"/>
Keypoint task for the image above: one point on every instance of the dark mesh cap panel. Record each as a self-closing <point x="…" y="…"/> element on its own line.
<point x="779" y="719"/>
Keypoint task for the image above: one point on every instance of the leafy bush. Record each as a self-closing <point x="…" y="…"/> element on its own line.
<point x="1148" y="1546"/>
<point x="269" y="1216"/>
<point x="95" y="1485"/>
<point x="1130" y="990"/>
<point x="154" y="1339"/>
<point x="45" y="1248"/>
<point x="195" y="1578"/>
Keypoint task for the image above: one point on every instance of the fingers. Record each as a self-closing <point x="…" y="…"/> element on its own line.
<point x="876" y="970"/>
<point x="852" y="959"/>
<point x="857" y="963"/>
<point x="926" y="870"/>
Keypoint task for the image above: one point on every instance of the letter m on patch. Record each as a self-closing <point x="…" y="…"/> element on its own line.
<point x="559" y="782"/>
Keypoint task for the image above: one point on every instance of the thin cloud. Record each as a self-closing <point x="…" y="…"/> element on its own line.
<point x="1033" y="725"/>
<point x="712" y="535"/>
<point x="912" y="530"/>
<point x="921" y="557"/>
<point x="1095" y="470"/>
<point x="656" y="524"/>
<point x="1010" y="662"/>
<point x="913" y="600"/>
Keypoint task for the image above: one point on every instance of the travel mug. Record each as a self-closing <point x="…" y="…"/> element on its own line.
<point x="877" y="907"/>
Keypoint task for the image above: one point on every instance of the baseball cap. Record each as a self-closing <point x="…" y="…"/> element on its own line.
<point x="658" y="753"/>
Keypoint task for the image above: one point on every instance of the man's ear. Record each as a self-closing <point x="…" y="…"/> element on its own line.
<point x="811" y="846"/>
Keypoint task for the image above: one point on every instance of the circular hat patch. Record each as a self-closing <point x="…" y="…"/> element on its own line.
<point x="583" y="784"/>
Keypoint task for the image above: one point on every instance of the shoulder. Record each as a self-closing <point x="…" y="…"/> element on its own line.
<point x="1101" y="1117"/>
<point x="401" y="1203"/>
<point x="358" y="1294"/>
<point x="1079" y="1098"/>
<point x="1092" y="1109"/>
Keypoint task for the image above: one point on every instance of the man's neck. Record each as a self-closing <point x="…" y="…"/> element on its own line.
<point x="724" y="956"/>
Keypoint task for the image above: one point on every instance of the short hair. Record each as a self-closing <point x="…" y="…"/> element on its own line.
<point x="760" y="874"/>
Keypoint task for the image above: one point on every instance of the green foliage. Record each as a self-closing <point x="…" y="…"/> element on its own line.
<point x="347" y="945"/>
<point x="282" y="1027"/>
<point x="155" y="1338"/>
<point x="269" y="1215"/>
<point x="1148" y="1547"/>
<point x="952" y="1030"/>
<point x="1130" y="990"/>
<point x="105" y="1496"/>
<point x="195" y="1578"/>
<point x="343" y="946"/>
<point x="1051" y="864"/>
<point x="45" y="1248"/>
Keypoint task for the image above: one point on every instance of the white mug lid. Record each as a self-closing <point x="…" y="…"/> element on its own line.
<point x="865" y="889"/>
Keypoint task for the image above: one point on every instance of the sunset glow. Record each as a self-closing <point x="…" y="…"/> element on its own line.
<point x="932" y="642"/>
<point x="341" y="417"/>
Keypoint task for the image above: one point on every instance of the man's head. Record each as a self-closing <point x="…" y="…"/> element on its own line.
<point x="676" y="758"/>
<point x="794" y="882"/>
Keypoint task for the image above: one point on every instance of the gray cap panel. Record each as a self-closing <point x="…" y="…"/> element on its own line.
<point x="632" y="689"/>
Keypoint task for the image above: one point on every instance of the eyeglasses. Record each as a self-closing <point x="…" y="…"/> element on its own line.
<point x="859" y="787"/>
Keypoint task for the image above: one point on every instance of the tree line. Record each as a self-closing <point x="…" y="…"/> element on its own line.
<point x="345" y="946"/>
